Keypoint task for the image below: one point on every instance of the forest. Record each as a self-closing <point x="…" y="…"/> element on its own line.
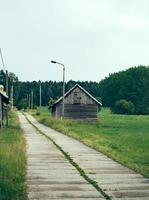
<point x="124" y="92"/>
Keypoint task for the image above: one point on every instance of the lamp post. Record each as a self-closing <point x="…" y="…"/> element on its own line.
<point x="63" y="103"/>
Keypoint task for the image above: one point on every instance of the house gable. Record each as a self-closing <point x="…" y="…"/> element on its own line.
<point x="78" y="96"/>
<point x="86" y="98"/>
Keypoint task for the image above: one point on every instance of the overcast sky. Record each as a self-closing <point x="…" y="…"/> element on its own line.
<point x="91" y="37"/>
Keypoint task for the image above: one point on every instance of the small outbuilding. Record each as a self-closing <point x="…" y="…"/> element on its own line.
<point x="4" y="100"/>
<point x="78" y="104"/>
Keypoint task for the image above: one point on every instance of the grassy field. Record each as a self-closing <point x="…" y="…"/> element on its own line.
<point x="12" y="162"/>
<point x="121" y="137"/>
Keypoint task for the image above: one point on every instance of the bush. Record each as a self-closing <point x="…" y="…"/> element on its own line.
<point x="124" y="107"/>
<point x="50" y="103"/>
<point x="38" y="113"/>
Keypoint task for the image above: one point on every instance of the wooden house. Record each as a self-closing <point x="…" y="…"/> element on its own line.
<point x="78" y="104"/>
<point x="4" y="100"/>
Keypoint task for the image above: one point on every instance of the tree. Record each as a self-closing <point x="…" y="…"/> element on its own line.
<point x="50" y="103"/>
<point x="131" y="85"/>
<point x="123" y="107"/>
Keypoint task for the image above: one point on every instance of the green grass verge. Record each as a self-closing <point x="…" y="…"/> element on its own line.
<point x="124" y="138"/>
<point x="12" y="161"/>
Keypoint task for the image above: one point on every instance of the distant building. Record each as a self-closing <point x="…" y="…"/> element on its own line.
<point x="79" y="105"/>
<point x="4" y="100"/>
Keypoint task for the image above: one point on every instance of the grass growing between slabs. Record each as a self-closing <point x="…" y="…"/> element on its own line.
<point x="12" y="161"/>
<point x="124" y="138"/>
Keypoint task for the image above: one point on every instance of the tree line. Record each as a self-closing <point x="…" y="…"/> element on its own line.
<point x="131" y="86"/>
<point x="123" y="92"/>
<point x="50" y="90"/>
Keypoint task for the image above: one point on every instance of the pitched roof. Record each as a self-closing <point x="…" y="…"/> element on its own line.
<point x="87" y="93"/>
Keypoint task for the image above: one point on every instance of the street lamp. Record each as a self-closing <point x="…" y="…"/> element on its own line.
<point x="63" y="103"/>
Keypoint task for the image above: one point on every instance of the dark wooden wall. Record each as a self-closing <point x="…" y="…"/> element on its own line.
<point x="84" y="99"/>
<point x="3" y="112"/>
<point x="81" y="111"/>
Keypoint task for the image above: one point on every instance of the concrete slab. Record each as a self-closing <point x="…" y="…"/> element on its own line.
<point x="49" y="174"/>
<point x="116" y="180"/>
<point x="63" y="194"/>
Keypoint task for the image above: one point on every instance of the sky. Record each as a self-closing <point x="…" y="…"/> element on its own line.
<point x="92" y="38"/>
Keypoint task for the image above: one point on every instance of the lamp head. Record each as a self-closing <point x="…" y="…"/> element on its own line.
<point x="52" y="61"/>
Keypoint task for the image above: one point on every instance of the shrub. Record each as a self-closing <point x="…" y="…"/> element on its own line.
<point x="124" y="107"/>
<point x="37" y="113"/>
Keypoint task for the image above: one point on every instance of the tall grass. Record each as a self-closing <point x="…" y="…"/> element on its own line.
<point x="124" y="138"/>
<point x="12" y="162"/>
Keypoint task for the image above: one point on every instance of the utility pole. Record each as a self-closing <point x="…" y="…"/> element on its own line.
<point x="11" y="97"/>
<point x="40" y="94"/>
<point x="7" y="83"/>
<point x="29" y="101"/>
<point x="40" y="103"/>
<point x="63" y="105"/>
<point x="32" y="96"/>
<point x="6" y="71"/>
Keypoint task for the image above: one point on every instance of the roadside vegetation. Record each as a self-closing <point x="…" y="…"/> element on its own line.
<point x="12" y="162"/>
<point x="124" y="138"/>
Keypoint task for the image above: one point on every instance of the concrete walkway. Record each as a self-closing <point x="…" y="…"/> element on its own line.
<point x="117" y="181"/>
<point x="49" y="174"/>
